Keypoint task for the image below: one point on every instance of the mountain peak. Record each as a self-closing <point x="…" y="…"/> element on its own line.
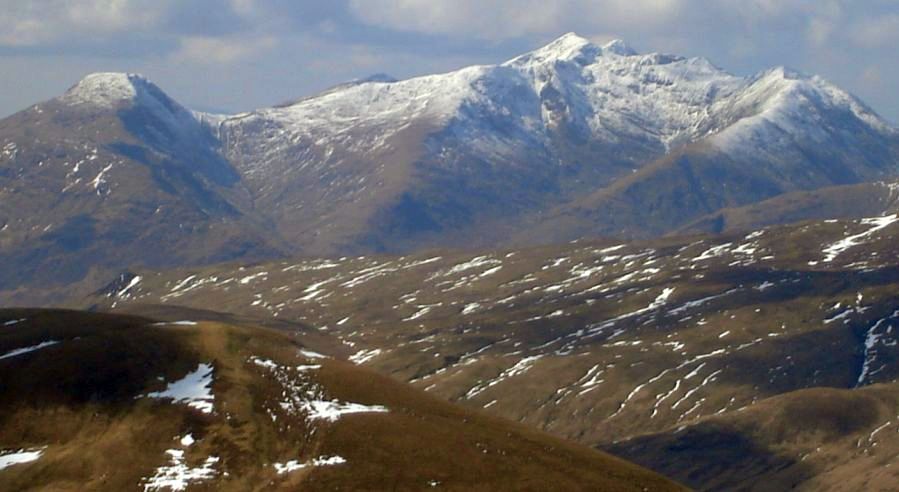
<point x="567" y="47"/>
<point x="573" y="47"/>
<point x="108" y="89"/>
<point x="569" y="39"/>
<point x="619" y="47"/>
<point x="133" y="93"/>
<point x="782" y="72"/>
<point x="573" y="43"/>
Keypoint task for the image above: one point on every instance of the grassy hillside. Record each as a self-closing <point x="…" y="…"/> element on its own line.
<point x="834" y="202"/>
<point x="115" y="402"/>
<point x="821" y="439"/>
<point x="601" y="343"/>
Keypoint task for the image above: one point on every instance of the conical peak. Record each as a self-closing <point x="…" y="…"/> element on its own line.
<point x="109" y="88"/>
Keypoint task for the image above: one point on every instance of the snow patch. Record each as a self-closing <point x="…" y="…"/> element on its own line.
<point x="470" y="308"/>
<point x="520" y="367"/>
<point x="177" y="476"/>
<point x="133" y="283"/>
<point x="302" y="396"/>
<point x="333" y="410"/>
<point x="194" y="390"/>
<point x="294" y="465"/>
<point x="312" y="355"/>
<point x="363" y="356"/>
<point x="26" y="350"/>
<point x="872" y="337"/>
<point x="10" y="458"/>
<point x="837" y="248"/>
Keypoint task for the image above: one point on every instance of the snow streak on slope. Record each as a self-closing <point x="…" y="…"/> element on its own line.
<point x="294" y="465"/>
<point x="877" y="223"/>
<point x="25" y="350"/>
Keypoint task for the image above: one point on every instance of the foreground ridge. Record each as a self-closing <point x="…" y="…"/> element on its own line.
<point x="214" y="405"/>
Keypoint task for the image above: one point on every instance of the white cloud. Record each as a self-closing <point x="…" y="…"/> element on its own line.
<point x="35" y="22"/>
<point x="872" y="77"/>
<point x="819" y="31"/>
<point x="503" y="19"/>
<point x="758" y="9"/>
<point x="190" y="39"/>
<point x="245" y="7"/>
<point x="458" y="17"/>
<point x="216" y="50"/>
<point x="876" y="32"/>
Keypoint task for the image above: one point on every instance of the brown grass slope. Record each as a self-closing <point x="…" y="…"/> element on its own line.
<point x="595" y="342"/>
<point x="834" y="202"/>
<point x="82" y="402"/>
<point x="816" y="439"/>
<point x="697" y="181"/>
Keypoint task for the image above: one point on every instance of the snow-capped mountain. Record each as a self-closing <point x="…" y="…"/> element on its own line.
<point x="115" y="90"/>
<point x="571" y="140"/>
<point x="410" y="161"/>
<point x="115" y="173"/>
<point x="152" y="116"/>
<point x="607" y="93"/>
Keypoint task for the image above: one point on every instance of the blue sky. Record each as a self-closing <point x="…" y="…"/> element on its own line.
<point x="240" y="54"/>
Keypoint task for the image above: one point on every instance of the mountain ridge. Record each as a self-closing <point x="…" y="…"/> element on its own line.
<point x="571" y="140"/>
